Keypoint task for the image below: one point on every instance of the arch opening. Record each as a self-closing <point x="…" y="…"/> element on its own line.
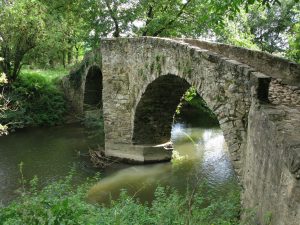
<point x="93" y="89"/>
<point x="155" y="112"/>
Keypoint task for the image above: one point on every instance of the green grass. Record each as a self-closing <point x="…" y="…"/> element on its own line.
<point x="63" y="203"/>
<point x="49" y="74"/>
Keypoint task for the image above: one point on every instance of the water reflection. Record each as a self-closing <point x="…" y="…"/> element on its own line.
<point x="50" y="153"/>
<point x="216" y="163"/>
<point x="201" y="154"/>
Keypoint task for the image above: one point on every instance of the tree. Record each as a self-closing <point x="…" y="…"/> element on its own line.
<point x="175" y="18"/>
<point x="294" y="44"/>
<point x="22" y="27"/>
<point x="272" y="29"/>
<point x="68" y="27"/>
<point x="271" y="26"/>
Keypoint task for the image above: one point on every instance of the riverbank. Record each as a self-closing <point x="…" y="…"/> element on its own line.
<point x="63" y="203"/>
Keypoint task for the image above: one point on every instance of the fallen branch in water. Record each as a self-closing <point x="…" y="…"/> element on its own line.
<point x="99" y="159"/>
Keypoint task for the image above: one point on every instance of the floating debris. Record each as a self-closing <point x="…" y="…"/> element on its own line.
<point x="99" y="159"/>
<point x="167" y="146"/>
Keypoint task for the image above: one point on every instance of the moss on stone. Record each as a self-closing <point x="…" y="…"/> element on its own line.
<point x="152" y="68"/>
<point x="158" y="68"/>
<point x="75" y="77"/>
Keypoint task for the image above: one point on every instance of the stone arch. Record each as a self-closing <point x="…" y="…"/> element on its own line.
<point x="130" y="66"/>
<point x="155" y="110"/>
<point x="92" y="96"/>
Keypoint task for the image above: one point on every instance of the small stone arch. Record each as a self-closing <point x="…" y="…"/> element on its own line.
<point x="92" y="96"/>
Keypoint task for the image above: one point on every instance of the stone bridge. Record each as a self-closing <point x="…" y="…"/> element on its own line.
<point x="255" y="96"/>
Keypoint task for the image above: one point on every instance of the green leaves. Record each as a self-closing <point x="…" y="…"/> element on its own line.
<point x="63" y="203"/>
<point x="22" y="27"/>
<point x="37" y="102"/>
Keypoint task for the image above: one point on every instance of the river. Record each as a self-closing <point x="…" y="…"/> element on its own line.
<point x="50" y="153"/>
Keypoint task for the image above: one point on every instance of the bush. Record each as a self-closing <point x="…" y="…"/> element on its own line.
<point x="62" y="203"/>
<point x="37" y="102"/>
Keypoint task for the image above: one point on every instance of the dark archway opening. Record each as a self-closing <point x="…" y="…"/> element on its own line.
<point x="93" y="89"/>
<point x="92" y="107"/>
<point x="156" y="111"/>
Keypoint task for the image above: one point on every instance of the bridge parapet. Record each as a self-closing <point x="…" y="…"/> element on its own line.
<point x="273" y="66"/>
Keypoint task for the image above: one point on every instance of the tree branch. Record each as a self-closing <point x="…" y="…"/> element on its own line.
<point x="150" y="16"/>
<point x="181" y="11"/>
<point x="115" y="20"/>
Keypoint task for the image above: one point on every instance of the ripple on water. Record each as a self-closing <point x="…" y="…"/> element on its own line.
<point x="203" y="154"/>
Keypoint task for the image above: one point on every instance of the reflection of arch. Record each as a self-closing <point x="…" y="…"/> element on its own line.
<point x="93" y="88"/>
<point x="155" y="111"/>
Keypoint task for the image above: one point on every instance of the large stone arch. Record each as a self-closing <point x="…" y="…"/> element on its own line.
<point x="131" y="65"/>
<point x="156" y="108"/>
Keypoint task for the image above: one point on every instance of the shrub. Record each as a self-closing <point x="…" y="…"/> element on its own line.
<point x="37" y="102"/>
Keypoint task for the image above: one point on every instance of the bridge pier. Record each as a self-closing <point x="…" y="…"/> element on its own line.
<point x="138" y="153"/>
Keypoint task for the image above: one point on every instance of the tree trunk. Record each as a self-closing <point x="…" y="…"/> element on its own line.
<point x="64" y="59"/>
<point x="51" y="63"/>
<point x="77" y="54"/>
<point x="70" y="56"/>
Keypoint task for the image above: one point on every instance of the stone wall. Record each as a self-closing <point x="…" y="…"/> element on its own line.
<point x="282" y="94"/>
<point x="271" y="177"/>
<point x="273" y="66"/>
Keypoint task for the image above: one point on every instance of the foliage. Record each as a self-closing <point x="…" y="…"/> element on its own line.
<point x="63" y="203"/>
<point x="50" y="75"/>
<point x="21" y="29"/>
<point x="69" y="25"/>
<point x="165" y="17"/>
<point x="3" y="101"/>
<point x="37" y="100"/>
<point x="236" y="32"/>
<point x="192" y="98"/>
<point x="294" y="42"/>
<point x="53" y="33"/>
<point x="271" y="26"/>
<point x="263" y="28"/>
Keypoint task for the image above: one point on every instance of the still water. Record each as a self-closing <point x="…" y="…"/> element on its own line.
<point x="50" y="153"/>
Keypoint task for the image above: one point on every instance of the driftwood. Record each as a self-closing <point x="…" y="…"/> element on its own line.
<point x="99" y="159"/>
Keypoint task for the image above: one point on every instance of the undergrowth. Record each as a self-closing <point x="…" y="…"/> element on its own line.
<point x="64" y="203"/>
<point x="36" y="101"/>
